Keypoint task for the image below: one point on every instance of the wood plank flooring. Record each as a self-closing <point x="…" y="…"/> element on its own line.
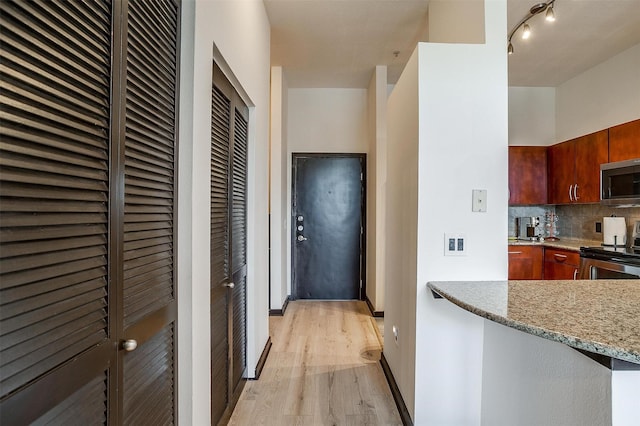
<point x="323" y="369"/>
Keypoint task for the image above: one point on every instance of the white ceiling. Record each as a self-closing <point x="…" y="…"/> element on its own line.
<point x="337" y="43"/>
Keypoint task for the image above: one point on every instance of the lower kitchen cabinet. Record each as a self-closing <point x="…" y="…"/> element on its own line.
<point x="525" y="262"/>
<point x="560" y="264"/>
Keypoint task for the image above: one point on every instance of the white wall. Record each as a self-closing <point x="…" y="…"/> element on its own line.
<point x="401" y="223"/>
<point x="376" y="181"/>
<point x="460" y="21"/>
<point x="327" y="120"/>
<point x="240" y="30"/>
<point x="278" y="188"/>
<point x="603" y="96"/>
<point x="530" y="381"/>
<point x="323" y="121"/>
<point x="625" y="404"/>
<point x="532" y="116"/>
<point x="461" y="141"/>
<point x="372" y="100"/>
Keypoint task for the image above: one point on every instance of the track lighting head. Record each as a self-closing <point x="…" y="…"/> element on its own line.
<point x="526" y="31"/>
<point x="551" y="15"/>
<point x="510" y="49"/>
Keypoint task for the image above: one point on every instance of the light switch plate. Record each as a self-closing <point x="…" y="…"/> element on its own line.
<point x="455" y="244"/>
<point x="479" y="203"/>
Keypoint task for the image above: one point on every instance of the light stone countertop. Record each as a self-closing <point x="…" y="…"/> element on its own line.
<point x="599" y="316"/>
<point x="562" y="243"/>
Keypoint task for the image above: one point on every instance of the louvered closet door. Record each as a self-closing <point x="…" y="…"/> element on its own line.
<point x="239" y="244"/>
<point x="229" y="131"/>
<point x="220" y="234"/>
<point x="55" y="346"/>
<point x="148" y="257"/>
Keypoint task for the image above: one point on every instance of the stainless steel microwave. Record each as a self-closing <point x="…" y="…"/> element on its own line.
<point x="620" y="183"/>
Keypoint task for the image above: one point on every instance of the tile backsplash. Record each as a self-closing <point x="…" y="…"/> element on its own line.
<point x="575" y="220"/>
<point x="528" y="211"/>
<point x="579" y="221"/>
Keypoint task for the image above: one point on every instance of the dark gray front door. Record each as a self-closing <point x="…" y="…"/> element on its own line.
<point x="327" y="226"/>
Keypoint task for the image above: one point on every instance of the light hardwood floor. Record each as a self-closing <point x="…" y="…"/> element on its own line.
<point x="323" y="369"/>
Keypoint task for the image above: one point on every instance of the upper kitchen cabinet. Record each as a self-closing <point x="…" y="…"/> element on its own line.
<point x="574" y="169"/>
<point x="527" y="175"/>
<point x="624" y="141"/>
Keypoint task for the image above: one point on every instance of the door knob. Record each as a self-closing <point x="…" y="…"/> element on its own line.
<point x="302" y="238"/>
<point x="129" y="345"/>
<point x="230" y="285"/>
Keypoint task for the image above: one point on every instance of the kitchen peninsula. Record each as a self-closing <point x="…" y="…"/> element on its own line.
<point x="599" y="318"/>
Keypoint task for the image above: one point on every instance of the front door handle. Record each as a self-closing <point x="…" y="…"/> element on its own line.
<point x="302" y="238"/>
<point x="230" y="285"/>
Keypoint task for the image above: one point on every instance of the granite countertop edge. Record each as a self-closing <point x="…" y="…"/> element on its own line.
<point x="573" y="341"/>
<point x="572" y="244"/>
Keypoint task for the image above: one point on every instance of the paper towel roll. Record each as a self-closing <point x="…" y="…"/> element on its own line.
<point x="614" y="227"/>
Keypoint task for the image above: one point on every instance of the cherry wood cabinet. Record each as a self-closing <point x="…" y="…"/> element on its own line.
<point x="561" y="162"/>
<point x="574" y="169"/>
<point x="624" y="141"/>
<point x="561" y="264"/>
<point x="525" y="262"/>
<point x="527" y="175"/>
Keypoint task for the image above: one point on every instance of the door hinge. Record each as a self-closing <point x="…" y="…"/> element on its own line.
<point x="360" y="283"/>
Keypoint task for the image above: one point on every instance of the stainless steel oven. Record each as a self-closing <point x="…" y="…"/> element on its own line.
<point x="609" y="263"/>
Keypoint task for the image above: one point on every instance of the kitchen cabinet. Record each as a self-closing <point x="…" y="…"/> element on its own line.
<point x="574" y="169"/>
<point x="527" y="175"/>
<point x="525" y="262"/>
<point x="624" y="141"/>
<point x="561" y="264"/>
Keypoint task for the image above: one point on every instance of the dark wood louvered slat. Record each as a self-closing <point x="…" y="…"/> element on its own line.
<point x="88" y="405"/>
<point x="13" y="294"/>
<point x="54" y="112"/>
<point x="149" y="381"/>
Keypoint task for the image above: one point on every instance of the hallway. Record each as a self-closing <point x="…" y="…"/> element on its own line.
<point x="323" y="369"/>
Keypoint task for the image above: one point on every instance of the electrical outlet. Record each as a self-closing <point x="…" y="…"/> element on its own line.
<point x="599" y="227"/>
<point x="455" y="245"/>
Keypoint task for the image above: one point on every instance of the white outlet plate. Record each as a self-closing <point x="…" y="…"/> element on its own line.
<point x="479" y="203"/>
<point x="455" y="244"/>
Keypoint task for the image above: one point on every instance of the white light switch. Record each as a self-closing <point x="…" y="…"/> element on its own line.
<point x="479" y="200"/>
<point x="455" y="245"/>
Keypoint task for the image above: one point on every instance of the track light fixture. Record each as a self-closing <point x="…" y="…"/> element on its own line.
<point x="526" y="29"/>
<point x="551" y="15"/>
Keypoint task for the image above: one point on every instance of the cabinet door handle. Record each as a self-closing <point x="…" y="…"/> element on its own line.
<point x="570" y="196"/>
<point x="575" y="274"/>
<point x="515" y="252"/>
<point x="560" y="257"/>
<point x="575" y="192"/>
